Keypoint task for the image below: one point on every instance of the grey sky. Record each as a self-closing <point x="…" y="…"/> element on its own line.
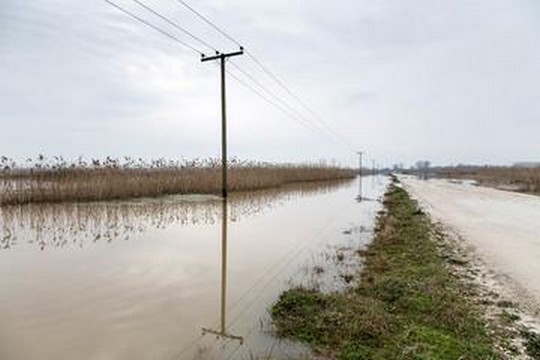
<point x="452" y="81"/>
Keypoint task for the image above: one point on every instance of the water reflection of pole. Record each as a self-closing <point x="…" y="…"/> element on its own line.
<point x="222" y="332"/>
<point x="224" y="218"/>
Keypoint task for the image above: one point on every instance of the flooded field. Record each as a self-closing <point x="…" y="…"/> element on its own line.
<point x="181" y="277"/>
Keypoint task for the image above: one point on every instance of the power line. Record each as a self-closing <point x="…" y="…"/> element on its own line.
<point x="277" y="102"/>
<point x="290" y="109"/>
<point x="249" y="76"/>
<point x="156" y="28"/>
<point x="174" y="24"/>
<point x="203" y="42"/>
<point x="271" y="102"/>
<point x="297" y="98"/>
<point x="284" y="107"/>
<point x="209" y="22"/>
<point x="265" y="89"/>
<point x="267" y="71"/>
<point x="148" y="8"/>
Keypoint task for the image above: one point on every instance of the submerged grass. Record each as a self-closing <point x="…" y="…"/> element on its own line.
<point x="57" y="180"/>
<point x="406" y="305"/>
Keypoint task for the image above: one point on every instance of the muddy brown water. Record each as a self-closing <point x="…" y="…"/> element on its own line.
<point x="164" y="279"/>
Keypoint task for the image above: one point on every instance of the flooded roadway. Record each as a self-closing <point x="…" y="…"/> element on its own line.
<point x="168" y="278"/>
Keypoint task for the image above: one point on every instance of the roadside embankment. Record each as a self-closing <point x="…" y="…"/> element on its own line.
<point x="407" y="304"/>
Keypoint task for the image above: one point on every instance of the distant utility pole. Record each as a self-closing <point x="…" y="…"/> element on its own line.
<point x="360" y="153"/>
<point x="359" y="197"/>
<point x="223" y="57"/>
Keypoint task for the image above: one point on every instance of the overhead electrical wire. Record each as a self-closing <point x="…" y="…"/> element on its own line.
<point x="266" y="70"/>
<point x="265" y="89"/>
<point x="174" y="24"/>
<point x="156" y="28"/>
<point x="298" y="100"/>
<point x="209" y="22"/>
<point x="271" y="102"/>
<point x="297" y="116"/>
<point x="283" y="103"/>
<point x="148" y="8"/>
<point x="284" y="107"/>
<point x="277" y="102"/>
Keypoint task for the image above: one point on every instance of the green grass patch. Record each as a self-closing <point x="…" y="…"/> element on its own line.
<point x="407" y="305"/>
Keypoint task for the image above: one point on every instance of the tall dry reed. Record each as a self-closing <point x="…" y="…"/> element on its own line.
<point x="58" y="180"/>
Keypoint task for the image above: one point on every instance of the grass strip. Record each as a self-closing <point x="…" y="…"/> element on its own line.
<point x="407" y="305"/>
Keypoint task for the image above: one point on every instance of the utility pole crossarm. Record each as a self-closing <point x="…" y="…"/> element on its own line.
<point x="221" y="55"/>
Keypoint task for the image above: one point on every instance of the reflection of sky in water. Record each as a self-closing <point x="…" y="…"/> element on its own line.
<point x="150" y="297"/>
<point x="77" y="225"/>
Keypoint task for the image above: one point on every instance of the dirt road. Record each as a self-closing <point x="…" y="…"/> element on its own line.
<point x="502" y="226"/>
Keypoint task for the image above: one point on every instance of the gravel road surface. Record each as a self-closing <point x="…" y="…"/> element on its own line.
<point x="502" y="226"/>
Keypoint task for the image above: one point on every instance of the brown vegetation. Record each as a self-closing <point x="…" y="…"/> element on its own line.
<point x="43" y="180"/>
<point x="525" y="179"/>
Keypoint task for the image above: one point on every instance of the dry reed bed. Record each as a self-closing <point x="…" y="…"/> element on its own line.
<point x="57" y="180"/>
<point x="516" y="178"/>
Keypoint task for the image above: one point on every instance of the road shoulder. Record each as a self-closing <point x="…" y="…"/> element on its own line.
<point x="510" y="311"/>
<point x="410" y="300"/>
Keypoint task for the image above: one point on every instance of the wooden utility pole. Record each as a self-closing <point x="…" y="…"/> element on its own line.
<point x="360" y="153"/>
<point x="222" y="57"/>
<point x="359" y="197"/>
<point x="222" y="331"/>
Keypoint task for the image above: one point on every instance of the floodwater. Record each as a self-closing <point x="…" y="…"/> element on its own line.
<point x="169" y="278"/>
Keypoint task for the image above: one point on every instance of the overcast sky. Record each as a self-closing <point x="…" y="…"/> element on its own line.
<point x="451" y="81"/>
